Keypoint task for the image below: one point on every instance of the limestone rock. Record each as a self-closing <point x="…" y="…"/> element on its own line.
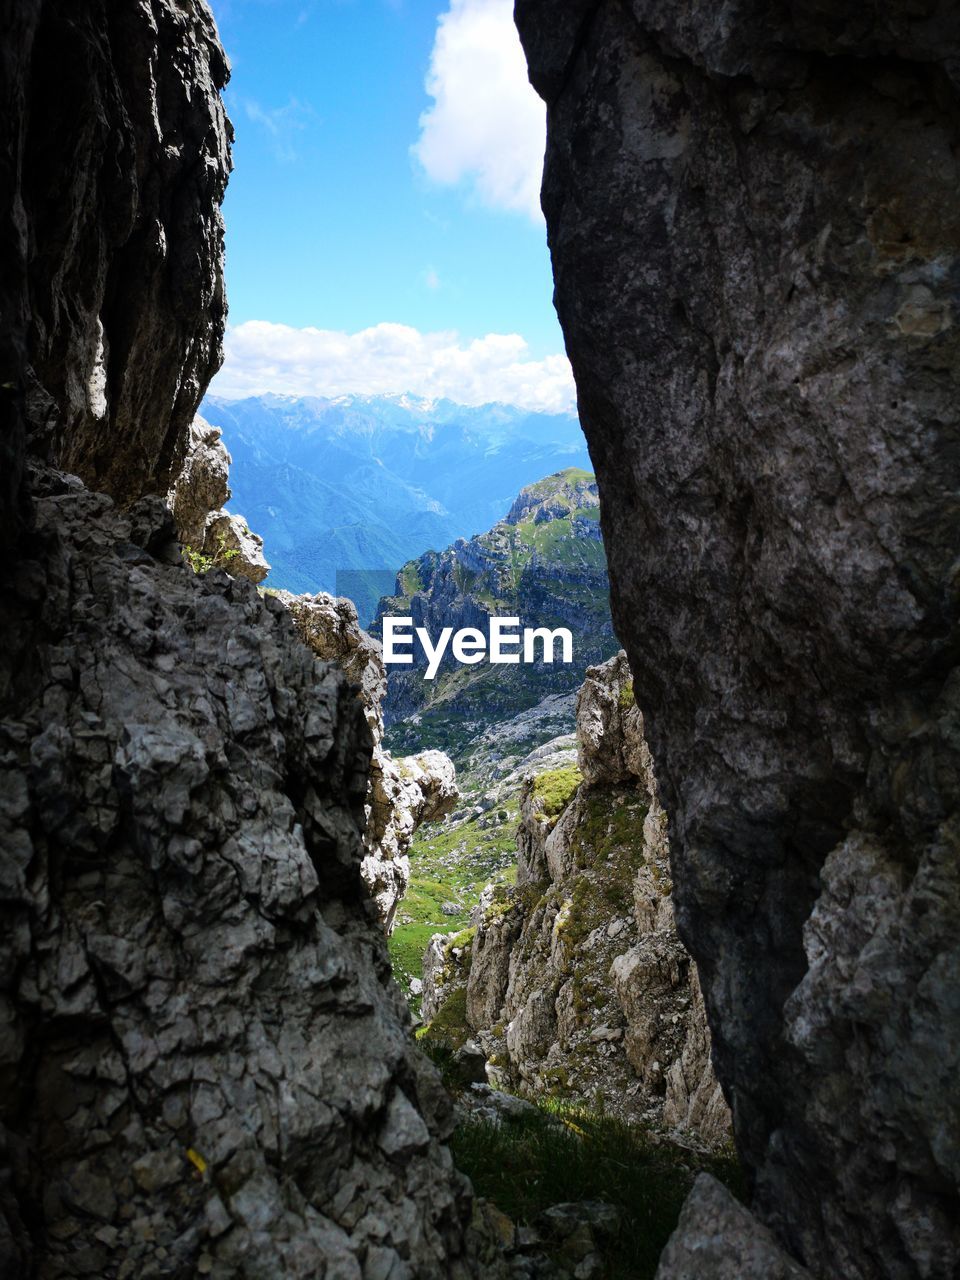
<point x="718" y="1239"/>
<point x="197" y="499"/>
<point x="611" y="747"/>
<point x="188" y="950"/>
<point x="234" y="547"/>
<point x="577" y="983"/>
<point x="330" y="626"/>
<point x="403" y="793"/>
<point x="202" y="485"/>
<point x="114" y="177"/>
<point x="753" y="221"/>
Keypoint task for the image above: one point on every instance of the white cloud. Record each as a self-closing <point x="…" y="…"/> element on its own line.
<point x="487" y="125"/>
<point x="431" y="279"/>
<point x="391" y="358"/>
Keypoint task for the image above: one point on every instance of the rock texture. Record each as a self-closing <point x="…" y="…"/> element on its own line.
<point x="402" y="794"/>
<point x="753" y="220"/>
<point x="205" y="1067"/>
<point x="116" y="151"/>
<point x="718" y="1239"/>
<point x="197" y="497"/>
<point x="576" y="983"/>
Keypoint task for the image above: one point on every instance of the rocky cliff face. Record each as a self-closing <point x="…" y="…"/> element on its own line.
<point x="753" y="220"/>
<point x="402" y="794"/>
<point x="205" y="1068"/>
<point x="116" y="157"/>
<point x="576" y="984"/>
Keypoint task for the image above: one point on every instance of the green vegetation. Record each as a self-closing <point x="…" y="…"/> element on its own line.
<point x="201" y="563"/>
<point x="555" y="789"/>
<point x="548" y="569"/>
<point x="608" y="843"/>
<point x="449" y="867"/>
<point x="449" y="1029"/>
<point x="627" y="699"/>
<point x="562" y="1154"/>
<point x="558" y="541"/>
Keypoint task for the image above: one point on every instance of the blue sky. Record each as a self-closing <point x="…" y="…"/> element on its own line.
<point x="369" y="246"/>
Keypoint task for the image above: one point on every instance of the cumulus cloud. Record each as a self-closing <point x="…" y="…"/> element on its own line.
<point x="391" y="358"/>
<point x="486" y="126"/>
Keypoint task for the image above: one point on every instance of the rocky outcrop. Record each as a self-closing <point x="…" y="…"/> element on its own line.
<point x="753" y="221"/>
<point x="188" y="950"/>
<point x="211" y="535"/>
<point x="202" y="485"/>
<point x="718" y="1239"/>
<point x="205" y="1067"/>
<point x="576" y="983"/>
<point x="403" y="794"/>
<point x="116" y="153"/>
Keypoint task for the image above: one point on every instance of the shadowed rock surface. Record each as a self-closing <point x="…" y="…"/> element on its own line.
<point x="123" y="156"/>
<point x="205" y="1063"/>
<point x="753" y="218"/>
<point x="403" y="794"/>
<point x="718" y="1239"/>
<point x="205" y="1067"/>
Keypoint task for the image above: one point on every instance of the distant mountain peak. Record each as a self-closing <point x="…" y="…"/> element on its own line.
<point x="560" y="494"/>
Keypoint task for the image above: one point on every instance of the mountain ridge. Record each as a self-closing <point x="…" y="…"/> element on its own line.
<point x="364" y="483"/>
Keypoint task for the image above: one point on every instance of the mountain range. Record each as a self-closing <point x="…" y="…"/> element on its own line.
<point x="543" y="563"/>
<point x="358" y="485"/>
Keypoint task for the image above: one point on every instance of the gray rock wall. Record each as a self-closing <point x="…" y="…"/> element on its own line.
<point x="577" y="983"/>
<point x="403" y="793"/>
<point x="753" y="217"/>
<point x="121" y="152"/>
<point x="205" y="1067"/>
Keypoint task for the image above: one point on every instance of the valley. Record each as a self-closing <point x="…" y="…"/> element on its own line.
<point x="358" y="485"/>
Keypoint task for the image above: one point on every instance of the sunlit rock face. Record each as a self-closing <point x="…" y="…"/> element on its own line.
<point x="403" y="793"/>
<point x="205" y="1067"/>
<point x="754" y="228"/>
<point x="577" y="984"/>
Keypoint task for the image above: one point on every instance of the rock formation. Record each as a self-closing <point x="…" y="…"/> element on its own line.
<point x="753" y="218"/>
<point x="205" y="1068"/>
<point x="576" y="984"/>
<point x="402" y="794"/>
<point x="211" y="535"/>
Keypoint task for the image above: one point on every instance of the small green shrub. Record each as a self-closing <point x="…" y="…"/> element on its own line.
<point x="201" y="563"/>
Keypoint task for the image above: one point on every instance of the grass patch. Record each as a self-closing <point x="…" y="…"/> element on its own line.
<point x="527" y="1165"/>
<point x="448" y="867"/>
<point x="555" y="788"/>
